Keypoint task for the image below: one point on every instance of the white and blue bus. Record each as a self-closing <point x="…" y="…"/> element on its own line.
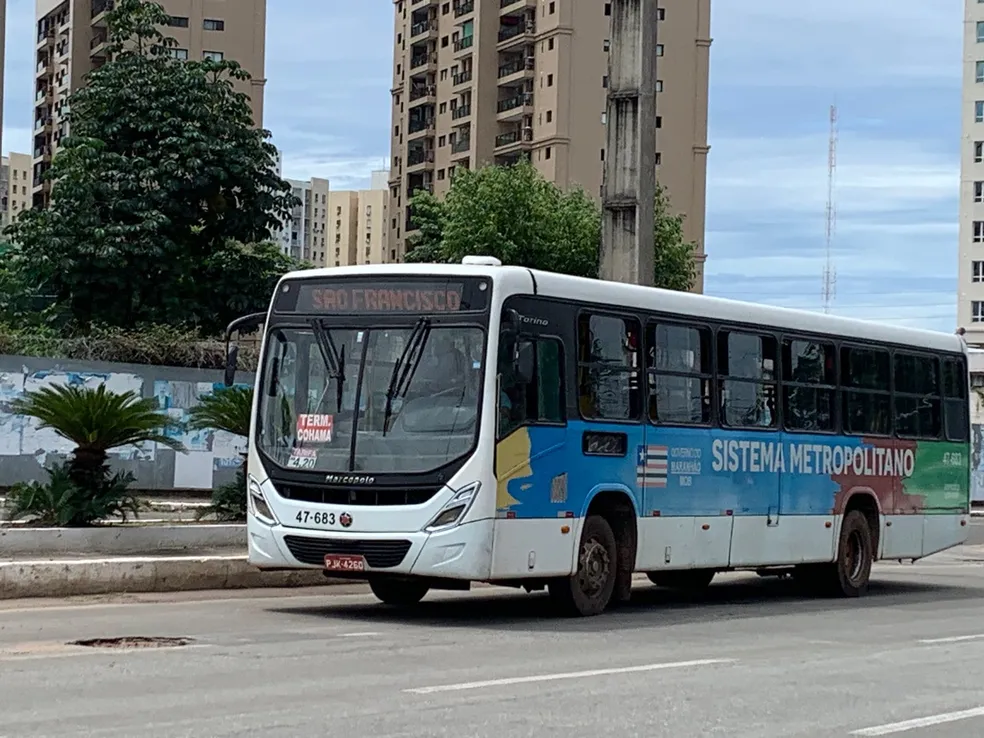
<point x="429" y="426"/>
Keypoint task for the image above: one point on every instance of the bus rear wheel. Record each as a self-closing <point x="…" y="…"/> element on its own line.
<point x="398" y="592"/>
<point x="850" y="573"/>
<point x="589" y="590"/>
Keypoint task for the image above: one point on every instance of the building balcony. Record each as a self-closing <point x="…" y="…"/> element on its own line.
<point x="44" y="67"/>
<point x="513" y="140"/>
<point x="423" y="60"/>
<point x="420" y="159"/>
<point x="420" y="128"/>
<point x="462" y="78"/>
<point x="464" y="44"/>
<point x="462" y="111"/>
<point x="99" y="10"/>
<point x="513" y="35"/>
<point x="423" y="93"/>
<point x="461" y="146"/>
<point x="515" y="107"/>
<point x="98" y="41"/>
<point x="46" y="38"/>
<point x="517" y="69"/>
<point x="423" y="30"/>
<point x="44" y="96"/>
<point x="464" y="8"/>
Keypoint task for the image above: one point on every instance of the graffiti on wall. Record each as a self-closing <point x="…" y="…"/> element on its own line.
<point x="977" y="462"/>
<point x="208" y="451"/>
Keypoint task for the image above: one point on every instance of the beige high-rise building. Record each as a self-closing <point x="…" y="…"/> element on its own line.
<point x="488" y="81"/>
<point x="15" y="186"/>
<point x="71" y="37"/>
<point x="970" y="270"/>
<point x="305" y="235"/>
<point x="358" y="225"/>
<point x="343" y="228"/>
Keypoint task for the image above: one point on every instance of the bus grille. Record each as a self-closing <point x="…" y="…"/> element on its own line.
<point x="357" y="495"/>
<point x="379" y="554"/>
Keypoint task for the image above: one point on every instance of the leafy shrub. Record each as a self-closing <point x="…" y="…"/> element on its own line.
<point x="60" y="502"/>
<point x="157" y="345"/>
<point x="228" y="500"/>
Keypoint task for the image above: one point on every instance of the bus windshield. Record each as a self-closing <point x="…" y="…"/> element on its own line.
<point x="378" y="399"/>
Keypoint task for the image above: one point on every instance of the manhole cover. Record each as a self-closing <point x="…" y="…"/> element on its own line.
<point x="133" y="642"/>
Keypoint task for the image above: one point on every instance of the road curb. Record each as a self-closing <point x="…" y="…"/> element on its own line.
<point x="120" y="540"/>
<point x="120" y="575"/>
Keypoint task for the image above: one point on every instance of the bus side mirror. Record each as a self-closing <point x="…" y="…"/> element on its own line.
<point x="525" y="362"/>
<point x="232" y="356"/>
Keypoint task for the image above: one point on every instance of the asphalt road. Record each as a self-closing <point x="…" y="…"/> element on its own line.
<point x="749" y="659"/>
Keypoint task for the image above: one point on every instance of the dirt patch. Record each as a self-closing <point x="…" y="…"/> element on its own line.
<point x="133" y="642"/>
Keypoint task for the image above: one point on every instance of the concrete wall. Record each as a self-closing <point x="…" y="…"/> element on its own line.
<point x="25" y="450"/>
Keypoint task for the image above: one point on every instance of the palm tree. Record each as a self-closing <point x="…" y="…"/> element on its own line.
<point x="96" y="420"/>
<point x="227" y="409"/>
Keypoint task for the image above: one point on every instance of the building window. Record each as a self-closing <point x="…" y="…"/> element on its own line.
<point x="608" y="11"/>
<point x="177" y="21"/>
<point x="553" y="8"/>
<point x="979" y="111"/>
<point x="180" y="54"/>
<point x="978" y="152"/>
<point x="977" y="311"/>
<point x="659" y="49"/>
<point x="659" y="85"/>
<point x="978" y="191"/>
<point x="979" y="231"/>
<point x="980" y="32"/>
<point x="977" y="271"/>
<point x="660" y="13"/>
<point x="549" y="80"/>
<point x="979" y="71"/>
<point x="213" y="55"/>
<point x="608" y="45"/>
<point x="213" y="25"/>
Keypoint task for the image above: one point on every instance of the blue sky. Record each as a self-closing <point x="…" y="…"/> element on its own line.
<point x="892" y="67"/>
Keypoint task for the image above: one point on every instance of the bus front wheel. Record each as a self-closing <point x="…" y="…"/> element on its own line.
<point x="589" y="590"/>
<point x="398" y="592"/>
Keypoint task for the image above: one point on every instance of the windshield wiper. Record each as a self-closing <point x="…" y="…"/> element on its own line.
<point x="409" y="361"/>
<point x="333" y="361"/>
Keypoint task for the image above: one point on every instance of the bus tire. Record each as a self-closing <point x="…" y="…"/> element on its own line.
<point x="398" y="592"/>
<point x="589" y="590"/>
<point x="689" y="581"/>
<point x="851" y="572"/>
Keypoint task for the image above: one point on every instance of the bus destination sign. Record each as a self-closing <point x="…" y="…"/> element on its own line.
<point x="393" y="297"/>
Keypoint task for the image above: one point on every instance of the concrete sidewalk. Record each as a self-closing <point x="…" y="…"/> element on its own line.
<point x="70" y="574"/>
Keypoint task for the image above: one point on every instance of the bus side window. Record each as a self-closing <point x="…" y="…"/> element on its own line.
<point x="955" y="399"/>
<point x="539" y="401"/>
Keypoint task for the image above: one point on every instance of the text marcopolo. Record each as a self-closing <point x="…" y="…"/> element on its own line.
<point x="810" y="458"/>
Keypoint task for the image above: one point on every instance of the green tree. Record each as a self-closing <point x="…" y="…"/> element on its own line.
<point x="516" y="215"/>
<point x="512" y="213"/>
<point x="162" y="174"/>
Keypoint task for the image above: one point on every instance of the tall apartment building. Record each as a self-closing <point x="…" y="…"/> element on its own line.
<point x="71" y="41"/>
<point x="970" y="270"/>
<point x="16" y="187"/>
<point x="358" y="228"/>
<point x="304" y="236"/>
<point x="488" y="81"/>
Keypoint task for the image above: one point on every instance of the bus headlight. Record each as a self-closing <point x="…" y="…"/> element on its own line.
<point x="258" y="503"/>
<point x="456" y="507"/>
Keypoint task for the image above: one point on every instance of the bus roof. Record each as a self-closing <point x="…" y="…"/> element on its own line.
<point x="563" y="286"/>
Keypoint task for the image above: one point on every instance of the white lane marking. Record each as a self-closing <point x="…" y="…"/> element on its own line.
<point x="953" y="639"/>
<point x="925" y="722"/>
<point x="565" y="675"/>
<point x="367" y="634"/>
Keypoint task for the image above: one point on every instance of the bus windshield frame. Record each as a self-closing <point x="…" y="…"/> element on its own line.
<point x="416" y="376"/>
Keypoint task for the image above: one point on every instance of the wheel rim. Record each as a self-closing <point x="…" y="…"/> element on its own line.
<point x="854" y="558"/>
<point x="595" y="567"/>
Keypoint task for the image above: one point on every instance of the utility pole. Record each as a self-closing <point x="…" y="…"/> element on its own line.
<point x="629" y="184"/>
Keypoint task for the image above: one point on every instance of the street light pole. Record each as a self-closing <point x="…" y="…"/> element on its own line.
<point x="629" y="184"/>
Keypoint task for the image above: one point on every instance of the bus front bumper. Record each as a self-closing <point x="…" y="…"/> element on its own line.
<point x="463" y="552"/>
